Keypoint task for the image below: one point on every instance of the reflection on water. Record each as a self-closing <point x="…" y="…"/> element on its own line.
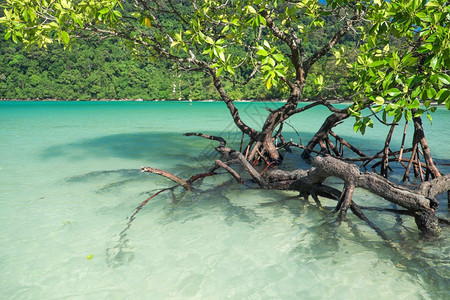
<point x="69" y="183"/>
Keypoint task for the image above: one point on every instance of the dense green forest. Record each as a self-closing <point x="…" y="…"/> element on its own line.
<point x="103" y="70"/>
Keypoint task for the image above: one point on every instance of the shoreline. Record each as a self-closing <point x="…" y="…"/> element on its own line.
<point x="335" y="101"/>
<point x="164" y="100"/>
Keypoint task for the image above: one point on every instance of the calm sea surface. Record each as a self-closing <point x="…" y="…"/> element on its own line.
<point x="70" y="180"/>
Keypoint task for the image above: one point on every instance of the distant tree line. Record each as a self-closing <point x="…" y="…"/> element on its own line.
<point x="102" y="70"/>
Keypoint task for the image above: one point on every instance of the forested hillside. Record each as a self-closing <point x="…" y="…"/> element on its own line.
<point x="102" y="70"/>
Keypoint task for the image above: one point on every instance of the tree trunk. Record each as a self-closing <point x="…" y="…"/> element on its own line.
<point x="322" y="134"/>
<point x="419" y="137"/>
<point x="385" y="165"/>
<point x="265" y="139"/>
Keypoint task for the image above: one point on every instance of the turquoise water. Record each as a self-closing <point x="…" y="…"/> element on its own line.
<point x="69" y="181"/>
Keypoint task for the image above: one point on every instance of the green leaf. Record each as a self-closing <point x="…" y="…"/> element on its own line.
<point x="219" y="71"/>
<point x="76" y="19"/>
<point x="262" y="52"/>
<point x="377" y="108"/>
<point x="398" y="115"/>
<point x="430" y="118"/>
<point x="319" y="80"/>
<point x="226" y="28"/>
<point x="360" y="60"/>
<point x="209" y="40"/>
<point x="443" y="95"/>
<point x="362" y="129"/>
<point x="251" y="9"/>
<point x="409" y="60"/>
<point x="378" y="63"/>
<point x="416" y="92"/>
<point x="433" y="62"/>
<point x="357" y="126"/>
<point x="269" y="83"/>
<point x="222" y="56"/>
<point x="444" y="79"/>
<point x="414" y="105"/>
<point x="379" y="100"/>
<point x="65" y="37"/>
<point x="408" y="115"/>
<point x="103" y="11"/>
<point x="230" y="70"/>
<point x="279" y="57"/>
<point x="387" y="81"/>
<point x="147" y="22"/>
<point x="431" y="92"/>
<point x="432" y="4"/>
<point x="394" y="92"/>
<point x="419" y="112"/>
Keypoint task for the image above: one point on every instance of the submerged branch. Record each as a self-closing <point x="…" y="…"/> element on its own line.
<point x="222" y="141"/>
<point x="168" y="175"/>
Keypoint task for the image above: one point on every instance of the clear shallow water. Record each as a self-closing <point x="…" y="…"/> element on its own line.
<point x="69" y="181"/>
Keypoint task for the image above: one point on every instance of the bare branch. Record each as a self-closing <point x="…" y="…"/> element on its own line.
<point x="168" y="175"/>
<point x="230" y="170"/>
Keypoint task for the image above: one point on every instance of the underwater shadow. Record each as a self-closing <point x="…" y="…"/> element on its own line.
<point x="143" y="146"/>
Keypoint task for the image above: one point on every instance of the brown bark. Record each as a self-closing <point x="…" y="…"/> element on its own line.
<point x="348" y="145"/>
<point x="417" y="202"/>
<point x="329" y="166"/>
<point x="168" y="175"/>
<point x="347" y="195"/>
<point x="411" y="159"/>
<point x="230" y="170"/>
<point x="368" y="159"/>
<point x="233" y="110"/>
<point x="325" y="130"/>
<point x="401" y="161"/>
<point x="419" y="137"/>
<point x="420" y="203"/>
<point x="403" y="142"/>
<point x="432" y="188"/>
<point x="386" y="150"/>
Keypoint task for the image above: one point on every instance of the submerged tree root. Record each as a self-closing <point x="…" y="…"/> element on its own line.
<point x="419" y="203"/>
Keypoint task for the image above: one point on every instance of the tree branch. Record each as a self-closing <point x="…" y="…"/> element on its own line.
<point x="230" y="170"/>
<point x="331" y="43"/>
<point x="168" y="175"/>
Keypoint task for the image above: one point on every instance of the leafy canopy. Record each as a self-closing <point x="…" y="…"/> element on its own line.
<point x="403" y="80"/>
